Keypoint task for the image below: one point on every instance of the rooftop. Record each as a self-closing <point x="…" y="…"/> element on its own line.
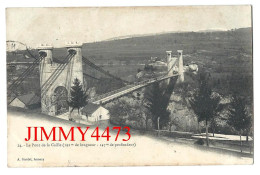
<point x="29" y="99"/>
<point x="90" y="108"/>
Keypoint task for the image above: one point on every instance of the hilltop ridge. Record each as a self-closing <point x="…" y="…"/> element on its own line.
<point x="146" y="46"/>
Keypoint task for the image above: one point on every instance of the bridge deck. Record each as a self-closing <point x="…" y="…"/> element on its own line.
<point x="128" y="89"/>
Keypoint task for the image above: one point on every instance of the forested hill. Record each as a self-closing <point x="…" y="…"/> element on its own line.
<point x="143" y="47"/>
<point x="156" y="45"/>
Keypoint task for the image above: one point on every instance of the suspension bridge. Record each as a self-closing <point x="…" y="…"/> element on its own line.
<point x="56" y="78"/>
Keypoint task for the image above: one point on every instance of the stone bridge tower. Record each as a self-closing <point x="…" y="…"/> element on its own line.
<point x="175" y="64"/>
<point x="55" y="90"/>
<point x="180" y="69"/>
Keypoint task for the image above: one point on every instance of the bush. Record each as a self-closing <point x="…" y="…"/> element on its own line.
<point x="71" y="119"/>
<point x="199" y="142"/>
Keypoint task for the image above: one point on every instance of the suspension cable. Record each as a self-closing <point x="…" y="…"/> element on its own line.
<point x="45" y="83"/>
<point x="90" y="76"/>
<point x="55" y="75"/>
<point x="170" y="69"/>
<point x="139" y="83"/>
<point x="98" y="68"/>
<point x="23" y="76"/>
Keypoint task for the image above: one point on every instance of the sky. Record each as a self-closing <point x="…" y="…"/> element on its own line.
<point x="56" y="26"/>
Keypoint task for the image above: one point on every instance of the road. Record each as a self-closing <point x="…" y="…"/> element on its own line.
<point x="139" y="150"/>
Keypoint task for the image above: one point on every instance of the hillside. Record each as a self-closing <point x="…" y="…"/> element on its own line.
<point x="143" y="47"/>
<point x="224" y="54"/>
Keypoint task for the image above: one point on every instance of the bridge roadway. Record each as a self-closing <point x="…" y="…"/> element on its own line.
<point x="104" y="98"/>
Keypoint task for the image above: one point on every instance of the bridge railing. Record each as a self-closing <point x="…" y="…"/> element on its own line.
<point x="144" y="82"/>
<point x="111" y="93"/>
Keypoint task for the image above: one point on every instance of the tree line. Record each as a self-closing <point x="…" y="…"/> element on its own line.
<point x="204" y="102"/>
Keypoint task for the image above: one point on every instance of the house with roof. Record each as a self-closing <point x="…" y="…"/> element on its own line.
<point x="94" y="113"/>
<point x="27" y="101"/>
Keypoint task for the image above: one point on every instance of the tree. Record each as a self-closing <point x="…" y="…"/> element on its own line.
<point x="238" y="117"/>
<point x="122" y="112"/>
<point x="78" y="97"/>
<point x="183" y="89"/>
<point x="218" y="109"/>
<point x="119" y="112"/>
<point x="146" y="117"/>
<point x="140" y="115"/>
<point x="204" y="104"/>
<point x="157" y="104"/>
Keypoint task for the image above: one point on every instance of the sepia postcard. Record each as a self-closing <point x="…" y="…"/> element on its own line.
<point x="129" y="86"/>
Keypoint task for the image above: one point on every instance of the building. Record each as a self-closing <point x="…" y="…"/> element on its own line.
<point x="95" y="113"/>
<point x="27" y="101"/>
